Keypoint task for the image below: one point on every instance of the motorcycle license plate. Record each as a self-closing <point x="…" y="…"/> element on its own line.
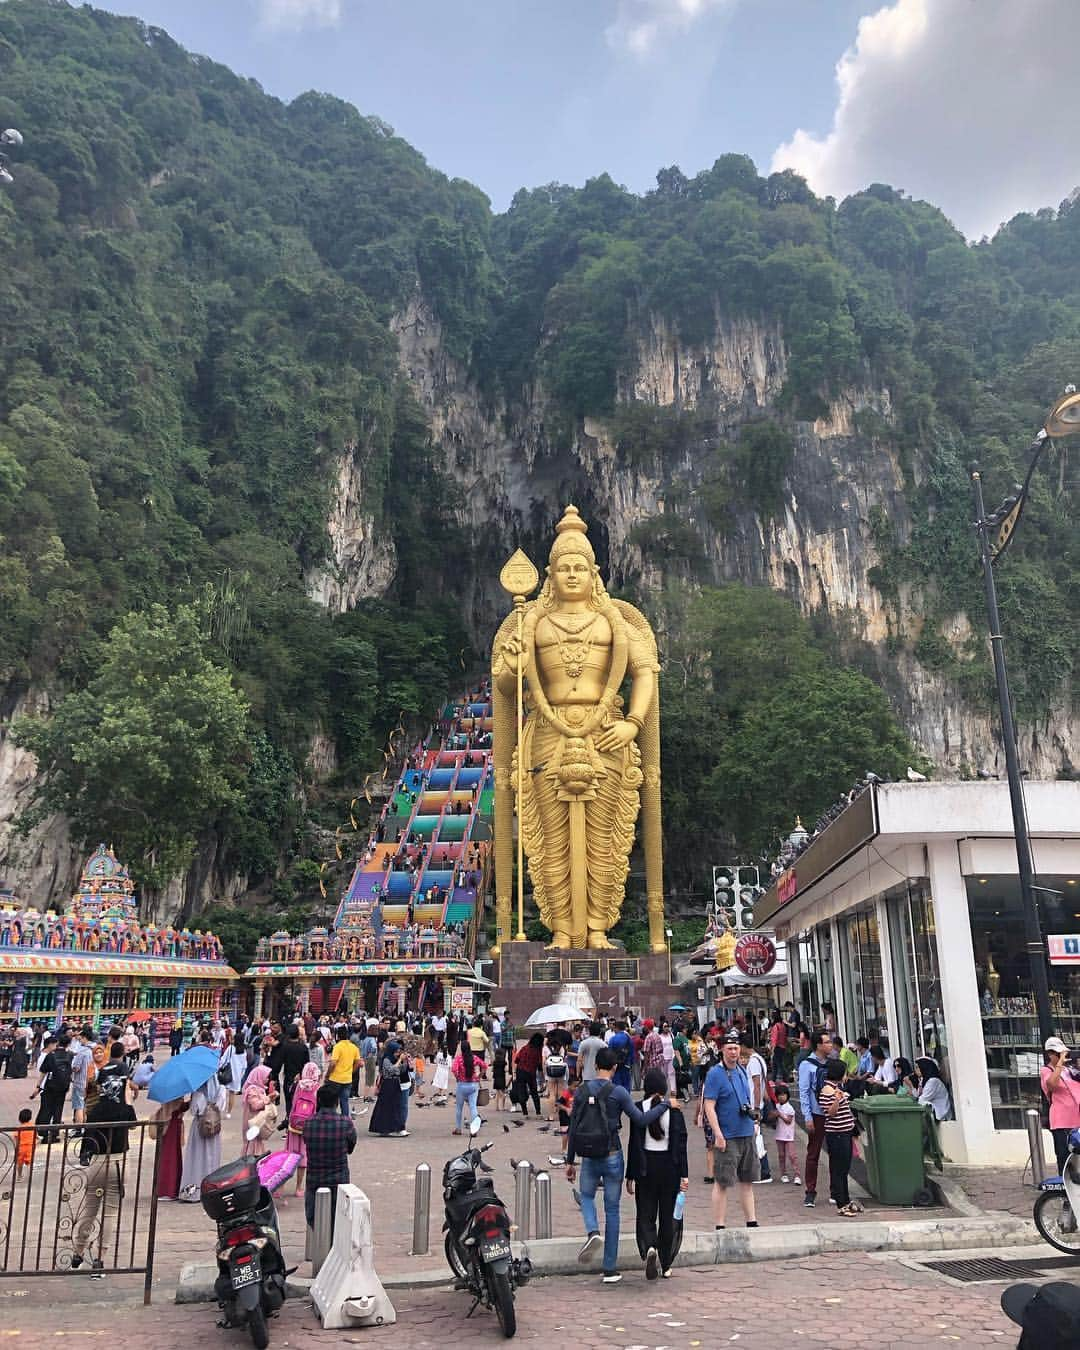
<point x="494" y="1249"/>
<point x="247" y="1273"/>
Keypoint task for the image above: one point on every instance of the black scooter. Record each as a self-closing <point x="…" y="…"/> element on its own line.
<point x="477" y="1232"/>
<point x="250" y="1284"/>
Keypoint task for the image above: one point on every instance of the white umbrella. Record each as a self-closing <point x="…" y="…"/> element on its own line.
<point x="554" y="1012"/>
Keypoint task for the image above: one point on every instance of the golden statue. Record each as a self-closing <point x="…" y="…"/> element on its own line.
<point x="583" y="765"/>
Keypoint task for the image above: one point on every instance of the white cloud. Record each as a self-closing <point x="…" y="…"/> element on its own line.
<point x="970" y="104"/>
<point x="297" y="14"/>
<point x="640" y="24"/>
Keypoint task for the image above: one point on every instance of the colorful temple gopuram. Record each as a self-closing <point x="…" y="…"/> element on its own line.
<point x="97" y="963"/>
<point x="405" y="929"/>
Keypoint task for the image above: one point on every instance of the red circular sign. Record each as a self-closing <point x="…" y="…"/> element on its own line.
<point x="755" y="954"/>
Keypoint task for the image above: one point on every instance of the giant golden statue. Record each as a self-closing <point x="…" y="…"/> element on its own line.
<point x="585" y="765"/>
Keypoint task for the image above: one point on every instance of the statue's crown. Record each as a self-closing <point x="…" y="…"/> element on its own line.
<point x="571" y="536"/>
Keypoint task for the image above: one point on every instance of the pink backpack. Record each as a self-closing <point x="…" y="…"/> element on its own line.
<point x="303" y="1108"/>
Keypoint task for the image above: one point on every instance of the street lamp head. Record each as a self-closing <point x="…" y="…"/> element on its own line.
<point x="1063" y="419"/>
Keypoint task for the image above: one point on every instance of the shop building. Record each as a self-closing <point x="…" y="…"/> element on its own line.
<point x="97" y="963"/>
<point x="905" y="916"/>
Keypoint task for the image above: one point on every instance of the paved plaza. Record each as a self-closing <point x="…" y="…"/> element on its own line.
<point x="839" y="1300"/>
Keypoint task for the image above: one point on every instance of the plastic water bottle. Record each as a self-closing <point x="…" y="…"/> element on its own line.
<point x="680" y="1205"/>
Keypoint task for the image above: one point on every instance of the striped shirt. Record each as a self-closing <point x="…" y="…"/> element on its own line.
<point x="842" y="1121"/>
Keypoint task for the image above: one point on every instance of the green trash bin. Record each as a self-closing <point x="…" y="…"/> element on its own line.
<point x="892" y="1140"/>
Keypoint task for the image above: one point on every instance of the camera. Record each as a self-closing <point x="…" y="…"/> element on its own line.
<point x="745" y="1109"/>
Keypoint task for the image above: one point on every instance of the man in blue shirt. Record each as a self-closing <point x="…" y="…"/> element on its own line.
<point x="730" y="1115"/>
<point x="607" y="1171"/>
<point x="811" y="1077"/>
<point x="623" y="1047"/>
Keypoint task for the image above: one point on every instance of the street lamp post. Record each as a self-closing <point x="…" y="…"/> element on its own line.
<point x="668" y="935"/>
<point x="1062" y="420"/>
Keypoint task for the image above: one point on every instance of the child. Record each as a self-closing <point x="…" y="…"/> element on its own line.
<point x="25" y="1142"/>
<point x="565" y="1103"/>
<point x="785" y="1135"/>
<point x="839" y="1137"/>
<point x="498" y="1079"/>
<point x="440" y="1084"/>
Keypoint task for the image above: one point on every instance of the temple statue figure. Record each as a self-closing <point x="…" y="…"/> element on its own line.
<point x="589" y="764"/>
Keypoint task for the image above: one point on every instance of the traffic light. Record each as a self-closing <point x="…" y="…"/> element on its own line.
<point x="747" y="890"/>
<point x="724" y="894"/>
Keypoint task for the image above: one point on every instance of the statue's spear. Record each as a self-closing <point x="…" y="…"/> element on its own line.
<point x="519" y="578"/>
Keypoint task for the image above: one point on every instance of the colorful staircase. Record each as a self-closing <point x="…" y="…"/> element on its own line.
<point x="444" y="791"/>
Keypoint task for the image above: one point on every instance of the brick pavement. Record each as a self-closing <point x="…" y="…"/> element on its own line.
<point x="839" y="1302"/>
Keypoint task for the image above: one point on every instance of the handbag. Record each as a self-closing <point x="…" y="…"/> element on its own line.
<point x="483" y="1097"/>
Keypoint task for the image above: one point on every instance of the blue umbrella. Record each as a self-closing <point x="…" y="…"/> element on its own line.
<point x="183" y="1073"/>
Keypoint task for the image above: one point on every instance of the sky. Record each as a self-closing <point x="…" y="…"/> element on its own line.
<point x="958" y="102"/>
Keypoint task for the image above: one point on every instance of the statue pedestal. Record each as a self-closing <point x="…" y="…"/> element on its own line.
<point x="528" y="976"/>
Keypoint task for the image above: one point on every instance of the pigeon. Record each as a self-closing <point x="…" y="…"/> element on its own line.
<point x="914" y="776"/>
<point x="556" y="1161"/>
<point x="986" y="773"/>
<point x="517" y="1124"/>
<point x="506" y="1128"/>
<point x="544" y="1129"/>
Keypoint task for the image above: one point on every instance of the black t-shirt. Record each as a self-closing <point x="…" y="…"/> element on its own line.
<point x="294" y="1056"/>
<point x="57" y="1060"/>
<point x="112" y="1119"/>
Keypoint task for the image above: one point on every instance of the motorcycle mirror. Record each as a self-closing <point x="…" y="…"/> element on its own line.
<point x="475" y="1126"/>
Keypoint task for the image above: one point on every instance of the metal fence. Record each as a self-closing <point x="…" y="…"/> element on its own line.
<point x="65" y="1206"/>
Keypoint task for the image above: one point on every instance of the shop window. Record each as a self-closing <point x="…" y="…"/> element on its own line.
<point x="1014" y="1056"/>
<point x="865" y="980"/>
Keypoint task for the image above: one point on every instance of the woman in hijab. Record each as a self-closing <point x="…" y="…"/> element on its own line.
<point x="203" y="1153"/>
<point x="932" y="1088"/>
<point x="388" y="1114"/>
<point x="257" y="1098"/>
<point x="656" y="1171"/>
<point x="19" y="1059"/>
<point x="303" y="1108"/>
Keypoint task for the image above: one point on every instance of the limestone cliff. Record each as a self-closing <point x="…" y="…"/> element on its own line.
<point x="819" y="548"/>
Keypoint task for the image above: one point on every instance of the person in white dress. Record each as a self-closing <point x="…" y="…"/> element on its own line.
<point x="440" y="1084"/>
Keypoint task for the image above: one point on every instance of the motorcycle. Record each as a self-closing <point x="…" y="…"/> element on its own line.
<point x="477" y="1242"/>
<point x="250" y="1284"/>
<point x="1058" y="1204"/>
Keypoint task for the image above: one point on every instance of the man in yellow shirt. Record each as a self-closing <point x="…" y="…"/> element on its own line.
<point x="477" y="1037"/>
<point x="343" y="1059"/>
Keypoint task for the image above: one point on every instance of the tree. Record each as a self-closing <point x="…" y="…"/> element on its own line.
<point x="151" y="750"/>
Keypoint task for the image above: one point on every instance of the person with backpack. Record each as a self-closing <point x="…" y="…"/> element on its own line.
<point x="811" y="1079"/>
<point x="304" y="1106"/>
<point x="56" y="1071"/>
<point x="595" y="1117"/>
<point x="203" y="1153"/>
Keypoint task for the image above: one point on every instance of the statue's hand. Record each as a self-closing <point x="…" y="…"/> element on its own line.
<point x="615" y="737"/>
<point x="510" y="651"/>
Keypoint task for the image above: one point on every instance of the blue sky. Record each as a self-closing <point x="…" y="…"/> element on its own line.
<point x="952" y="100"/>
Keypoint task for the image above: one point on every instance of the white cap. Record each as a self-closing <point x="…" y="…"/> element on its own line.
<point x="1057" y="1044"/>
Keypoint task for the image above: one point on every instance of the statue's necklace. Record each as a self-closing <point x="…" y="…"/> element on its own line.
<point x="574" y="652"/>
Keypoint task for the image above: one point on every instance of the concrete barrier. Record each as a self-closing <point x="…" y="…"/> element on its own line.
<point x="347" y="1292"/>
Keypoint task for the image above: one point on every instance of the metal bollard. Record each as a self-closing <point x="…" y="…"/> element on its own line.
<point x="421" y="1219"/>
<point x="320" y="1241"/>
<point x="1033" y="1121"/>
<point x="522" y="1198"/>
<point x="543" y="1205"/>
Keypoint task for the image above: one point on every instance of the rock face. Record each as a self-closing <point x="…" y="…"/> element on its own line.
<point x="362" y="561"/>
<point x="819" y="549"/>
<point x="517" y="467"/>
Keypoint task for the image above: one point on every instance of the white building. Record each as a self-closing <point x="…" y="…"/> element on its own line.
<point x="905" y="915"/>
